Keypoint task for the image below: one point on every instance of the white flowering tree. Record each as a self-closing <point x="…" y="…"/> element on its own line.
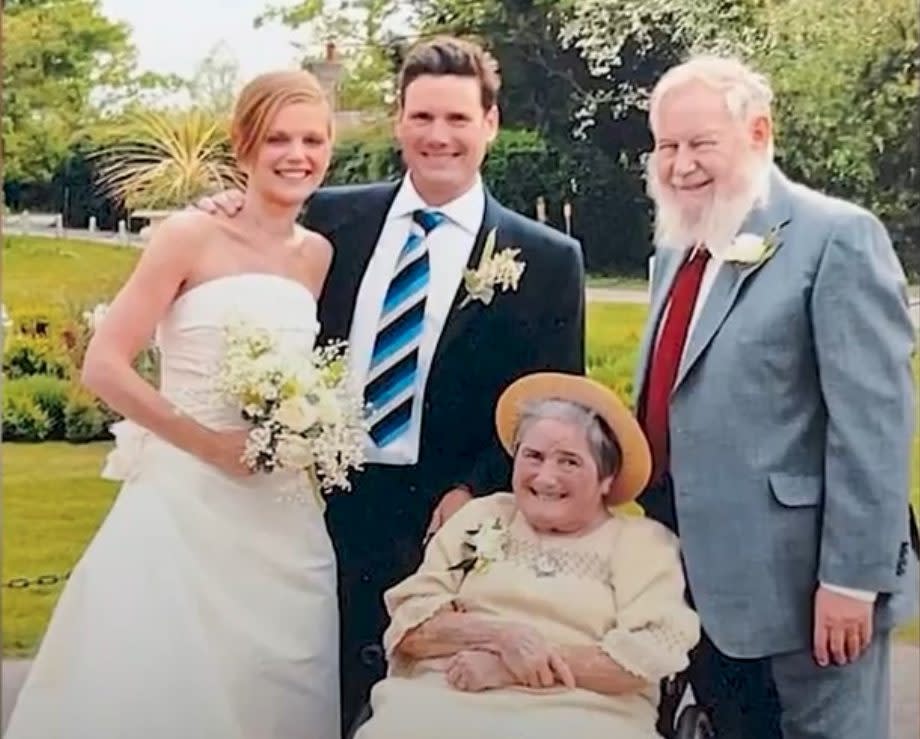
<point x="844" y="73"/>
<point x="627" y="43"/>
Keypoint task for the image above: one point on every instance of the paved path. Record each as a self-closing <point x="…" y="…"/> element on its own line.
<point x="102" y="237"/>
<point x="905" y="687"/>
<point x="632" y="295"/>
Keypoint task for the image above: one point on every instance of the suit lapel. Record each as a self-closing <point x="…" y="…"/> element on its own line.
<point x="731" y="278"/>
<point x="354" y="238"/>
<point x="669" y="265"/>
<point x="458" y="319"/>
<point x="722" y="296"/>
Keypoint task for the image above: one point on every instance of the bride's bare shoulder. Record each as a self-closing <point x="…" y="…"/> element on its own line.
<point x="313" y="245"/>
<point x="184" y="236"/>
<point x="185" y="226"/>
<point x="312" y="239"/>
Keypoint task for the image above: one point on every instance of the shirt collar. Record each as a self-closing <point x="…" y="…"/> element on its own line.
<point x="466" y="211"/>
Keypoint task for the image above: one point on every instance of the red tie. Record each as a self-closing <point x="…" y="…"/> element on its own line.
<point x="662" y="371"/>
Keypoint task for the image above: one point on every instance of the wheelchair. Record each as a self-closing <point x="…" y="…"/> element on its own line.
<point x="690" y="723"/>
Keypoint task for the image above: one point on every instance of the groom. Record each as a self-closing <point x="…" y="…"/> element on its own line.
<point x="433" y="356"/>
<point x="775" y="388"/>
<point x="432" y="353"/>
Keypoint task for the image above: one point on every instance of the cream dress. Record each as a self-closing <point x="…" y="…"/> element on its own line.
<point x="619" y="587"/>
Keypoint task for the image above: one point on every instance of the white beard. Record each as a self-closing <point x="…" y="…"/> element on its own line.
<point x="717" y="223"/>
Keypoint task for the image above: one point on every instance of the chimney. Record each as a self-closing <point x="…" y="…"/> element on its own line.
<point x="328" y="71"/>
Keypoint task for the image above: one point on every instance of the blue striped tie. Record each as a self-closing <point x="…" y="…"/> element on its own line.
<point x="390" y="385"/>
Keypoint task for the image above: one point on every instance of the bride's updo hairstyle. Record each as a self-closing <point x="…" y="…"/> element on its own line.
<point x="261" y="99"/>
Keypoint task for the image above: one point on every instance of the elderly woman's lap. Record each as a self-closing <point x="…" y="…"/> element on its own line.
<point x="420" y="708"/>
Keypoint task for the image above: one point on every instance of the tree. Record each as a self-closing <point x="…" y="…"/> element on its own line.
<point x="213" y="86"/>
<point x="847" y="83"/>
<point x="360" y="28"/>
<point x="629" y="43"/>
<point x="58" y="54"/>
<point x="845" y="75"/>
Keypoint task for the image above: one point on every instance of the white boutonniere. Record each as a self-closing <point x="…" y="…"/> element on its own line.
<point x="485" y="544"/>
<point x="496" y="270"/>
<point x="751" y="249"/>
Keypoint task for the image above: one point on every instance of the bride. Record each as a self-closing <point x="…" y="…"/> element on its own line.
<point x="205" y="606"/>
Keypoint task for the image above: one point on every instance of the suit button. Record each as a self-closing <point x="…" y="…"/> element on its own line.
<point x="365" y="577"/>
<point x="371" y="655"/>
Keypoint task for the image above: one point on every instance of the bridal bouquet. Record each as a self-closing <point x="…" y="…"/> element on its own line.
<point x="304" y="415"/>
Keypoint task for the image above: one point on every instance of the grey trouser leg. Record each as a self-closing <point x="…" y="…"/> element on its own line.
<point x="849" y="702"/>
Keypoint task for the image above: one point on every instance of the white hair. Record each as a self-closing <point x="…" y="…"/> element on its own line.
<point x="746" y="92"/>
<point x="601" y="440"/>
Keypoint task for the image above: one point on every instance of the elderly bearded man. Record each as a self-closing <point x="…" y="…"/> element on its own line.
<point x="775" y="387"/>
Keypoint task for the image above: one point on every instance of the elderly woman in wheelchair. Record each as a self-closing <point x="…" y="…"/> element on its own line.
<point x="546" y="611"/>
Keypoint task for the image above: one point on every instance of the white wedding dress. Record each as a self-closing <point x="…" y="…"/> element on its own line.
<point x="205" y="606"/>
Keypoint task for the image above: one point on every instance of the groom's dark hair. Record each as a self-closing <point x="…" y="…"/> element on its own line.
<point x="448" y="55"/>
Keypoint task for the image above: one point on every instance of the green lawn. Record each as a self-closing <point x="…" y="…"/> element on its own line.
<point x="53" y="502"/>
<point x="626" y="283"/>
<point x="41" y="272"/>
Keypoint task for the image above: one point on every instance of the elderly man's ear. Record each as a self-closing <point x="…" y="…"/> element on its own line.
<point x="761" y="129"/>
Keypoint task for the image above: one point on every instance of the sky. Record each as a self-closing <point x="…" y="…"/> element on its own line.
<point x="175" y="35"/>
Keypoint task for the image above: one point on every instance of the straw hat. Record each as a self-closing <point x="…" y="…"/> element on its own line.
<point x="636" y="463"/>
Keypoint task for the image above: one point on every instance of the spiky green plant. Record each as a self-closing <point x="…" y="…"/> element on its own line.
<point x="156" y="159"/>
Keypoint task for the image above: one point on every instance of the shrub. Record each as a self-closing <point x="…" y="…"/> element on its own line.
<point x="147" y="365"/>
<point x="28" y="355"/>
<point x="50" y="394"/>
<point x="86" y="419"/>
<point x="23" y="418"/>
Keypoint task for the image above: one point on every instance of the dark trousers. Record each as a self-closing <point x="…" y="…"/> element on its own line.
<point x="377" y="530"/>
<point x="739" y="695"/>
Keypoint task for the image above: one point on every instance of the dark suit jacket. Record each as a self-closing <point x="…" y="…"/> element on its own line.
<point x="482" y="348"/>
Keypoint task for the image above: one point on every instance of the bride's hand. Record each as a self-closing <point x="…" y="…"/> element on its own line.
<point x="225" y="451"/>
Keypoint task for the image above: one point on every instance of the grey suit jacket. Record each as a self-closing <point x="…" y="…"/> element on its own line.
<point x="790" y="426"/>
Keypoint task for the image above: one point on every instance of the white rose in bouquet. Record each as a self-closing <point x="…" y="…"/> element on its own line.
<point x="328" y="407"/>
<point x="297" y="414"/>
<point x="294" y="452"/>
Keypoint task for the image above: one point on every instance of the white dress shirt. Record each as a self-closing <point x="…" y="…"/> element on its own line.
<point x="708" y="280"/>
<point x="449" y="249"/>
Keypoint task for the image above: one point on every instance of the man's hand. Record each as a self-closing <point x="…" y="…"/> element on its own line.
<point x="228" y="202"/>
<point x="843" y="627"/>
<point x="474" y="670"/>
<point x="452" y="502"/>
